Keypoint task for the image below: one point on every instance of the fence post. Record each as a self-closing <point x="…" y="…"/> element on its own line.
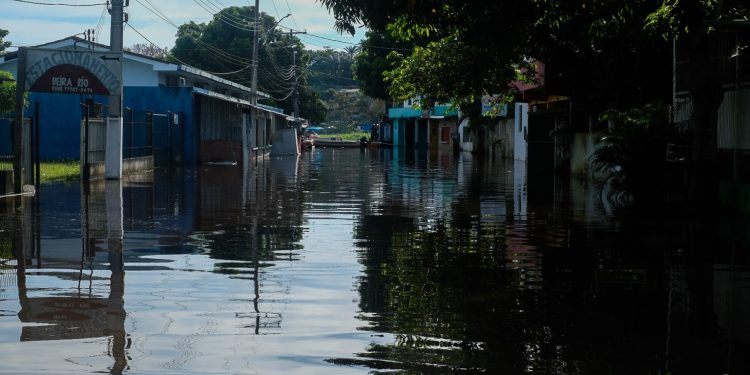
<point x="170" y="123"/>
<point x="37" y="147"/>
<point x="150" y="132"/>
<point x="85" y="168"/>
<point x="131" y="126"/>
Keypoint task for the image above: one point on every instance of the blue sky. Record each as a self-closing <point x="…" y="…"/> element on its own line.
<point x="31" y="24"/>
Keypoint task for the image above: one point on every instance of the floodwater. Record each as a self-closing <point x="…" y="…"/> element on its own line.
<point x="355" y="262"/>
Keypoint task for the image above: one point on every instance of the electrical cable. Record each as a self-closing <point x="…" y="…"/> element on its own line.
<point x="59" y="4"/>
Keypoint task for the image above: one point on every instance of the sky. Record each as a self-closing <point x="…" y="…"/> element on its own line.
<point x="31" y="24"/>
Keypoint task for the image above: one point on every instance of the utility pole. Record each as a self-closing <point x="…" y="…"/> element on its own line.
<point x="254" y="79"/>
<point x="113" y="152"/>
<point x="295" y="99"/>
<point x="295" y="112"/>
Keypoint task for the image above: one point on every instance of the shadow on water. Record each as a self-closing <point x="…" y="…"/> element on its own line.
<point x="470" y="274"/>
<point x="459" y="267"/>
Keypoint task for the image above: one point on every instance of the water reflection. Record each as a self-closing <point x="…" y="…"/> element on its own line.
<point x="350" y="261"/>
<point x="71" y="294"/>
<point x="494" y="283"/>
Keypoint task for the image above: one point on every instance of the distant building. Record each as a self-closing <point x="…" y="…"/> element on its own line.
<point x="423" y="129"/>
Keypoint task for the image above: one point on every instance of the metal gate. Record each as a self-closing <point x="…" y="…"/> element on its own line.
<point x="29" y="158"/>
<point x="145" y="134"/>
<point x="167" y="139"/>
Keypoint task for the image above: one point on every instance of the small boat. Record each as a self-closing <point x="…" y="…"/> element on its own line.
<point x="379" y="145"/>
<point x="320" y="142"/>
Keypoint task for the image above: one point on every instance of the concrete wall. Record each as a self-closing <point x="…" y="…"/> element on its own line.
<point x="465" y="136"/>
<point x="499" y="138"/>
<point x="580" y="157"/>
<point x="285" y="142"/>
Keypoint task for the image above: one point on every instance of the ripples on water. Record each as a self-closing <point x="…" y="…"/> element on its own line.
<point x="345" y="261"/>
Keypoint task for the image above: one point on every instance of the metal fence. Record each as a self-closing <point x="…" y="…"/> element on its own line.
<point x="137" y="133"/>
<point x="144" y="134"/>
<point x="6" y="144"/>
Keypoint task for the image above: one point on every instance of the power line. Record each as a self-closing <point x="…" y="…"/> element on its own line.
<point x="290" y="12"/>
<point x="60" y="4"/>
<point x="228" y="19"/>
<point x="100" y="24"/>
<point x="346" y="42"/>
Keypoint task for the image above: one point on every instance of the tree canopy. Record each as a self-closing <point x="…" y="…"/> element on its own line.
<point x="149" y="50"/>
<point x="3" y="44"/>
<point x="331" y="69"/>
<point x="8" y="93"/>
<point x="223" y="46"/>
<point x="372" y="61"/>
<point x="609" y="53"/>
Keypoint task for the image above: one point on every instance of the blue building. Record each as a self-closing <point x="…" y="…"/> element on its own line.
<point x="421" y="129"/>
<point x="212" y="117"/>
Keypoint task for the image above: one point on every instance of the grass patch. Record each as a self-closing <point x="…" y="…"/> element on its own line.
<point x="354" y="136"/>
<point x="61" y="170"/>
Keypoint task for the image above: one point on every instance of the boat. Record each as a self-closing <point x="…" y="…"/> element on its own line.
<point x="379" y="145"/>
<point x="320" y="142"/>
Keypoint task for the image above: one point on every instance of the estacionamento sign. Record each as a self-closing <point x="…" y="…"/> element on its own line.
<point x="71" y="71"/>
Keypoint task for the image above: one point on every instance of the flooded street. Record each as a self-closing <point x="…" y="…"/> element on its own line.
<point x="354" y="262"/>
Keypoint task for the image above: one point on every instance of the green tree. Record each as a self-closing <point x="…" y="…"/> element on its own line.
<point x="349" y="108"/>
<point x="223" y="46"/>
<point x="694" y="24"/>
<point x="607" y="55"/>
<point x="3" y="44"/>
<point x="372" y="62"/>
<point x="330" y="69"/>
<point x="595" y="49"/>
<point x="7" y="92"/>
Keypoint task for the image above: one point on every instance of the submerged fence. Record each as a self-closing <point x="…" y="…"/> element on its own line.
<point x="6" y="144"/>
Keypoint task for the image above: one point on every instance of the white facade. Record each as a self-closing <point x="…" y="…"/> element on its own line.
<point x="521" y="126"/>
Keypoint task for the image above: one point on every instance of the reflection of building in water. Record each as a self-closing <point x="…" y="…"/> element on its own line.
<point x="248" y="217"/>
<point x="72" y="297"/>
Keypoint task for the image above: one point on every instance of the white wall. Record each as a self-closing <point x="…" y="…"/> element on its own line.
<point x="465" y="136"/>
<point x="139" y="74"/>
<point x="521" y="126"/>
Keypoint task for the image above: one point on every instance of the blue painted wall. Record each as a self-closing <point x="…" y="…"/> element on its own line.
<point x="60" y="120"/>
<point x="163" y="100"/>
<point x="60" y="117"/>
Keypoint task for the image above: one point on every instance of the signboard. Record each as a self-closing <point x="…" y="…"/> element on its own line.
<point x="72" y="71"/>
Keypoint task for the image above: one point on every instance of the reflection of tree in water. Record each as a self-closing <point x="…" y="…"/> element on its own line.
<point x="262" y="223"/>
<point x="435" y="288"/>
<point x="537" y="293"/>
<point x="459" y="299"/>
